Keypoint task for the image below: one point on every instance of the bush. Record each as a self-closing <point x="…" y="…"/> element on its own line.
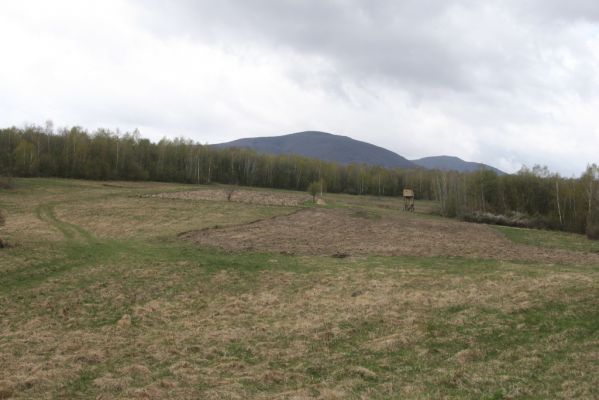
<point x="6" y="182"/>
<point x="593" y="231"/>
<point x="313" y="189"/>
<point x="515" y="219"/>
<point x="592" y="228"/>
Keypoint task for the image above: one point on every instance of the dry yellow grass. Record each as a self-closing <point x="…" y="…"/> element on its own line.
<point x="105" y="310"/>
<point x="232" y="194"/>
<point x="136" y="217"/>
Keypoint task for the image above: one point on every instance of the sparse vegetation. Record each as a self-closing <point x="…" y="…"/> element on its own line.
<point x="98" y="300"/>
<point x="314" y="189"/>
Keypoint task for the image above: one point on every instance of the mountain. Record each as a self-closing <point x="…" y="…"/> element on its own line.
<point x="449" y="163"/>
<point x="324" y="146"/>
<point x="345" y="150"/>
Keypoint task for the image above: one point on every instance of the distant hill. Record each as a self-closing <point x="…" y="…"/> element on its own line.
<point x="450" y="163"/>
<point x="324" y="146"/>
<point x="345" y="150"/>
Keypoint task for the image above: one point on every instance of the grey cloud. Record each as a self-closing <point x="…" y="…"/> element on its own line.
<point x="559" y="10"/>
<point x="495" y="66"/>
<point x="420" y="46"/>
<point x="400" y="42"/>
<point x="470" y="78"/>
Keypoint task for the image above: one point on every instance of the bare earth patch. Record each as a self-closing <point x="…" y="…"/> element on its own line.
<point x="346" y="232"/>
<point x="243" y="196"/>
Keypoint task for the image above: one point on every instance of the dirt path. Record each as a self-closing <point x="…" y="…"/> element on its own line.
<point x="348" y="232"/>
<point x="45" y="212"/>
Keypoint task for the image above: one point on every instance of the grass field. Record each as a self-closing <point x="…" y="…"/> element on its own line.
<point x="102" y="297"/>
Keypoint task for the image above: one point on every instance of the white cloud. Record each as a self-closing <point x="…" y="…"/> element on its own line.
<point x="501" y="82"/>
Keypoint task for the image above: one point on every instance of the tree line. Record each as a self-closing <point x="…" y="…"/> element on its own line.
<point x="532" y="197"/>
<point x="107" y="155"/>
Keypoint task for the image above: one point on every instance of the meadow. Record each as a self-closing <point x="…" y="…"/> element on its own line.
<point x="153" y="290"/>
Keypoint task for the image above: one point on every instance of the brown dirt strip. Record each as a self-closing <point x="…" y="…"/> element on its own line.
<point x="341" y="232"/>
<point x="242" y="196"/>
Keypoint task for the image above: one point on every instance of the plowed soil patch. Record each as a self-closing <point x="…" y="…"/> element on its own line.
<point x="347" y="232"/>
<point x="242" y="196"/>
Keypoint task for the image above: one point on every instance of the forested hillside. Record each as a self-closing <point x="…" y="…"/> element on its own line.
<point x="530" y="198"/>
<point x="324" y="146"/>
<point x="450" y="163"/>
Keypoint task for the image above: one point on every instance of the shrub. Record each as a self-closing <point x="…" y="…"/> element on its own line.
<point x="313" y="189"/>
<point x="6" y="182"/>
<point x="592" y="228"/>
<point x="515" y="219"/>
<point x="593" y="231"/>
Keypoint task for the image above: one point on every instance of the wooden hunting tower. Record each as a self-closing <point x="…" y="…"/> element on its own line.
<point x="408" y="200"/>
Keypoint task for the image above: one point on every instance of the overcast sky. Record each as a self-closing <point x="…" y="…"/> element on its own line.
<point x="507" y="82"/>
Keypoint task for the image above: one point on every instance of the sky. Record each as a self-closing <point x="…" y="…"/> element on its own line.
<point x="505" y="82"/>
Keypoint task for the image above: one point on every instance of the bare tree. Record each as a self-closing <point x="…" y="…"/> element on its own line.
<point x="559" y="209"/>
<point x="592" y="223"/>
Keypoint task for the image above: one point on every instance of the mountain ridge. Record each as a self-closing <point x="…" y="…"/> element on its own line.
<point x="453" y="163"/>
<point x="324" y="146"/>
<point x="346" y="150"/>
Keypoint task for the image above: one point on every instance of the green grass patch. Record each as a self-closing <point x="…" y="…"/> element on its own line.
<point x="550" y="239"/>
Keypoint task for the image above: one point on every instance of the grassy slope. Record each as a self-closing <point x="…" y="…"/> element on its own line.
<point x="551" y="239"/>
<point x="98" y="297"/>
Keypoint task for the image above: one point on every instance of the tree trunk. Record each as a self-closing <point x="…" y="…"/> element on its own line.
<point x="559" y="210"/>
